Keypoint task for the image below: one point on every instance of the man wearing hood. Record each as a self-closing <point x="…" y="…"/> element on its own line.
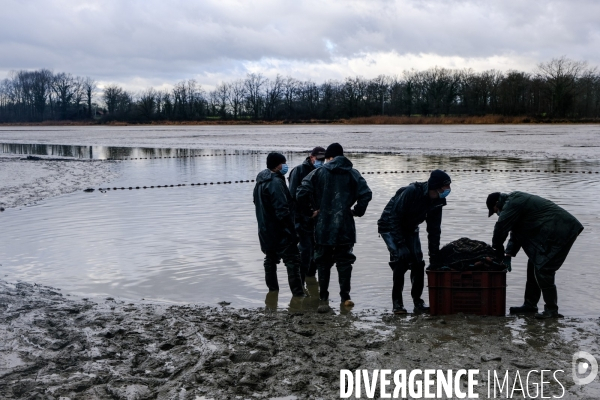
<point x="305" y="226"/>
<point x="276" y="231"/>
<point x="399" y="229"/>
<point x="545" y="231"/>
<point x="329" y="193"/>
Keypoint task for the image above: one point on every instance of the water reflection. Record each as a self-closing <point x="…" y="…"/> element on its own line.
<point x="110" y="152"/>
<point x="199" y="244"/>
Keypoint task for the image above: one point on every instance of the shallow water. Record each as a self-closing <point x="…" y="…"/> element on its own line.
<point x="199" y="243"/>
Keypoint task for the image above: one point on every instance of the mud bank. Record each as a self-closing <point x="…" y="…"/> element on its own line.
<point x="25" y="182"/>
<point x="56" y="346"/>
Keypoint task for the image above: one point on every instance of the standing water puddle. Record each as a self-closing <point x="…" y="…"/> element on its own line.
<point x="199" y="243"/>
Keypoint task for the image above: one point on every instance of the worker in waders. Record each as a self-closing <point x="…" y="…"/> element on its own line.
<point x="399" y="229"/>
<point x="276" y="230"/>
<point x="305" y="225"/>
<point x="329" y="193"/>
<point x="545" y="231"/>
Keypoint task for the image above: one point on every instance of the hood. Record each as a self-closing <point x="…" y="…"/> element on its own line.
<point x="265" y="175"/>
<point x="339" y="164"/>
<point x="308" y="163"/>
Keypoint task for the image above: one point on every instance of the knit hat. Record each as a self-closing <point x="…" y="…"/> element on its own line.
<point x="274" y="159"/>
<point x="318" y="152"/>
<point x="491" y="201"/>
<point x="334" y="150"/>
<point x="438" y="179"/>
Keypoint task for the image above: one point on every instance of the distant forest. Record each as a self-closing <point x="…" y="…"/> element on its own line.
<point x="561" y="88"/>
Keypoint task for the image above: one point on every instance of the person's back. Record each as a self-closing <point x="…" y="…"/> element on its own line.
<point x="273" y="212"/>
<point x="276" y="231"/>
<point x="546" y="232"/>
<point x="329" y="194"/>
<point x="537" y="224"/>
<point x="337" y="187"/>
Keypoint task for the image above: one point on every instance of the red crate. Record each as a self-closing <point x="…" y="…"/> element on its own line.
<point x="469" y="292"/>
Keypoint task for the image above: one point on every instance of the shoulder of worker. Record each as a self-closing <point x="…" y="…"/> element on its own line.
<point x="339" y="164"/>
<point x="415" y="189"/>
<point x="516" y="198"/>
<point x="517" y="194"/>
<point x="312" y="174"/>
<point x="303" y="169"/>
<point x="307" y="164"/>
<point x="264" y="176"/>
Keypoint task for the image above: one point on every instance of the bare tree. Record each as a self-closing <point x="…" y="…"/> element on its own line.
<point x="237" y="93"/>
<point x="254" y="85"/>
<point x="220" y="97"/>
<point x="41" y="89"/>
<point x="111" y="96"/>
<point x="147" y="103"/>
<point x="561" y="75"/>
<point x="273" y="91"/>
<point x="290" y="90"/>
<point x="89" y="88"/>
<point x="78" y="92"/>
<point x="64" y="86"/>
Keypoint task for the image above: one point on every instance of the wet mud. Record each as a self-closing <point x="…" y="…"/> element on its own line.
<point x="58" y="346"/>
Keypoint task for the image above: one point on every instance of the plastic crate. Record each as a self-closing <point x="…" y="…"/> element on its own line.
<point x="469" y="292"/>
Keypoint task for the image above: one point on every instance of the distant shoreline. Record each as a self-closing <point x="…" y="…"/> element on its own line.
<point x="374" y="120"/>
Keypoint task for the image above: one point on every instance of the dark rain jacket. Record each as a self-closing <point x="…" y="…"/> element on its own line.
<point x="410" y="206"/>
<point x="273" y="204"/>
<point x="538" y="225"/>
<point x="296" y="176"/>
<point x="334" y="188"/>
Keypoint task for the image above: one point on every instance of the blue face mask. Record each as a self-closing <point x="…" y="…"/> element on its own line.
<point x="444" y="194"/>
<point x="318" y="163"/>
<point x="284" y="169"/>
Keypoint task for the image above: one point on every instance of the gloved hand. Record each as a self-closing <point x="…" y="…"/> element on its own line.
<point x="499" y="251"/>
<point x="507" y="262"/>
<point x="403" y="252"/>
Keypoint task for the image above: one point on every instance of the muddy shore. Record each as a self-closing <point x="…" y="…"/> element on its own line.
<point x="57" y="346"/>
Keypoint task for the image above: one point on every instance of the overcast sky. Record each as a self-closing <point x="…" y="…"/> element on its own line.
<point x="156" y="43"/>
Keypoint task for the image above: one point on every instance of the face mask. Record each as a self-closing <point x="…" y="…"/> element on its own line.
<point x="284" y="169"/>
<point x="318" y="163"/>
<point x="444" y="194"/>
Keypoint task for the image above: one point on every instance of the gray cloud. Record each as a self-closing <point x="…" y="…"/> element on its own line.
<point x="159" y="41"/>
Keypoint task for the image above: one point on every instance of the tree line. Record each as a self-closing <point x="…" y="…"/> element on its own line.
<point x="560" y="88"/>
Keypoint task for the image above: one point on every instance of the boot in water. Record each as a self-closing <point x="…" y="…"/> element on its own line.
<point x="420" y="307"/>
<point x="399" y="308"/>
<point x="524" y="309"/>
<point x="548" y="315"/>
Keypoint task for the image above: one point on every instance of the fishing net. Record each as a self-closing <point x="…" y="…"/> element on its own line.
<point x="466" y="254"/>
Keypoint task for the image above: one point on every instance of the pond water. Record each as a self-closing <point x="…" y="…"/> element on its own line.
<point x="199" y="243"/>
